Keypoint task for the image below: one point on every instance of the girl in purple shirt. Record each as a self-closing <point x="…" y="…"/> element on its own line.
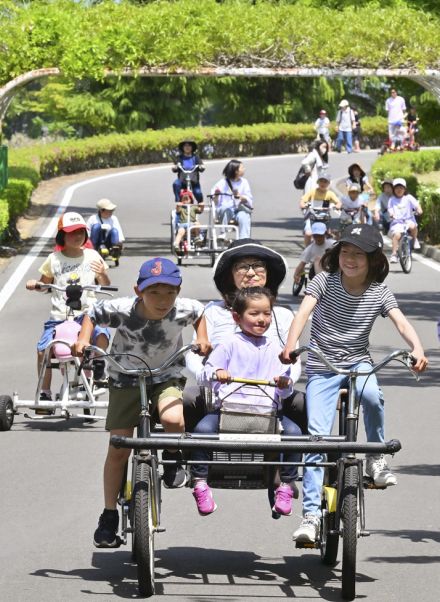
<point x="247" y="354"/>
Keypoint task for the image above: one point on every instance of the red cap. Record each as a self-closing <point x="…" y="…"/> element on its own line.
<point x="71" y="221"/>
<point x="184" y="192"/>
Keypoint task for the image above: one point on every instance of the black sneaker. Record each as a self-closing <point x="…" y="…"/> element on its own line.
<point x="106" y="534"/>
<point x="44" y="411"/>
<point x="174" y="476"/>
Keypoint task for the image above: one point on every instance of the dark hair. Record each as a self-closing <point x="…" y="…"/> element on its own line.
<point x="60" y="238"/>
<point x="317" y="145"/>
<point x="230" y="171"/>
<point x="350" y="172"/>
<point x="241" y="299"/>
<point x="378" y="266"/>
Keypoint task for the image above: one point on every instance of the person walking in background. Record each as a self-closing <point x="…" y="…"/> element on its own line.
<point x="322" y="125"/>
<point x="315" y="163"/>
<point x="356" y="130"/>
<point x="345" y="124"/>
<point x="396" y="109"/>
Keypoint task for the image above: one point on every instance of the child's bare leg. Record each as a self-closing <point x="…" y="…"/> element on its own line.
<point x="180" y="234"/>
<point x="114" y="469"/>
<point x="395" y="242"/>
<point x="171" y="415"/>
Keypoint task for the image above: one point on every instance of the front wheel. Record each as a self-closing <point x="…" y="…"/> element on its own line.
<point x="143" y="531"/>
<point x="6" y="412"/>
<point x="350" y="531"/>
<point x="405" y="257"/>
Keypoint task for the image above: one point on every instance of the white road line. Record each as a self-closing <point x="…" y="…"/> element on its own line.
<point x="19" y="273"/>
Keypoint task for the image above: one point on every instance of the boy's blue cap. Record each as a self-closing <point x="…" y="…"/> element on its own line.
<point x="158" y="271"/>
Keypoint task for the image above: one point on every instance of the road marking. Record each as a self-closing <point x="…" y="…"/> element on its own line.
<point x="17" y="276"/>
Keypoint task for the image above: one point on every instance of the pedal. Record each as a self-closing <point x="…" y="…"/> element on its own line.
<point x="368" y="483"/>
<point x="160" y="530"/>
<point x="365" y="533"/>
<point x="305" y="545"/>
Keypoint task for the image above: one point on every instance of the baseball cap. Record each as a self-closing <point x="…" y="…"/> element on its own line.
<point x="399" y="182"/>
<point x="344" y="103"/>
<point x="319" y="228"/>
<point x="366" y="237"/>
<point x="323" y="112"/>
<point x="324" y="176"/>
<point x="184" y="192"/>
<point x="354" y="187"/>
<point x="158" y="271"/>
<point x="71" y="221"/>
<point x="106" y="204"/>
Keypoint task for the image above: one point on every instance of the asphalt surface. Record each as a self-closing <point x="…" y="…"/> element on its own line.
<point x="51" y="470"/>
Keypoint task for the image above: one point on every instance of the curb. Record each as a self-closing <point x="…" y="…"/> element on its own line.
<point x="431" y="252"/>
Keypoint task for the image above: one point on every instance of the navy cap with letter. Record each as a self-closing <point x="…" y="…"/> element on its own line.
<point x="158" y="271"/>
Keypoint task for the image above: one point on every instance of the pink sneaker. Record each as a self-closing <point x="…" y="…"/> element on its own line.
<point x="283" y="500"/>
<point x="203" y="495"/>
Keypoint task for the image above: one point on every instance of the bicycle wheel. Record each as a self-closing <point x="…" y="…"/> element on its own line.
<point x="6" y="412"/>
<point x="350" y="531"/>
<point x="329" y="541"/>
<point x="297" y="286"/>
<point x="143" y="533"/>
<point x="405" y="257"/>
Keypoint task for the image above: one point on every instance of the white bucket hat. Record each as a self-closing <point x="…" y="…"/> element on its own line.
<point x="106" y="204"/>
<point x="344" y="103"/>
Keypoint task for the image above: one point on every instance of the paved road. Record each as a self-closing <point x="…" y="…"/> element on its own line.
<point x="50" y="472"/>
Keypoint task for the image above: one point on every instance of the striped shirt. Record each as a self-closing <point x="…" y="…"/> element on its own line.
<point x="341" y="322"/>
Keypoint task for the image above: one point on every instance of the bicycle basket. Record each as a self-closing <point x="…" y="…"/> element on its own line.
<point x="236" y="421"/>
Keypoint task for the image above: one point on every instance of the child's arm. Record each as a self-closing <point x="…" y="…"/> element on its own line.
<point x="299" y="270"/>
<point x="408" y="333"/>
<point x="31" y="284"/>
<point x="98" y="266"/>
<point x="297" y="326"/>
<point x="202" y="336"/>
<point x="84" y="336"/>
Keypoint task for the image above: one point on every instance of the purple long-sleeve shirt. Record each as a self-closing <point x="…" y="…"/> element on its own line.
<point x="245" y="356"/>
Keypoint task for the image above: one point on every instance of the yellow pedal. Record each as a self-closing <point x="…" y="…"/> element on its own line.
<point x="127" y="491"/>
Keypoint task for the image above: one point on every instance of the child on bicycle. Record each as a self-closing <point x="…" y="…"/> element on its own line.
<point x="105" y="230"/>
<point x="320" y="198"/>
<point x="381" y="215"/>
<point x="148" y="325"/>
<point x="346" y="298"/>
<point x="246" y="354"/>
<point x="73" y="264"/>
<point x="354" y="206"/>
<point x="186" y="208"/>
<point x="401" y="209"/>
<point x="188" y="159"/>
<point x="314" y="251"/>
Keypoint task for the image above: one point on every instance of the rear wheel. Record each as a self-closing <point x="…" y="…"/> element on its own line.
<point x="6" y="412"/>
<point x="405" y="254"/>
<point x="143" y="533"/>
<point x="350" y="531"/>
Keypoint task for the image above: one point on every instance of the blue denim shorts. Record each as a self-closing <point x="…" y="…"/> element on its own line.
<point x="49" y="329"/>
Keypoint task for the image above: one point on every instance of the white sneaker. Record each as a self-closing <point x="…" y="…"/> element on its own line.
<point x="416" y="244"/>
<point x="377" y="469"/>
<point x="393" y="259"/>
<point x="308" y="531"/>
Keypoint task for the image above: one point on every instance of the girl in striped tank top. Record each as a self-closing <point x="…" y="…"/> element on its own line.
<point x="346" y="298"/>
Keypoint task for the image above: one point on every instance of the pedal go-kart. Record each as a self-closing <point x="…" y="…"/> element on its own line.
<point x="204" y="240"/>
<point x="77" y="390"/>
<point x="246" y="447"/>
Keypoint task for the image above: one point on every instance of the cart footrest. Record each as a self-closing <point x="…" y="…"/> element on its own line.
<point x="303" y="545"/>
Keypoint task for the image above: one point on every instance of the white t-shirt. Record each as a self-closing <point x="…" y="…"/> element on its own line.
<point x="228" y="202"/>
<point x="111" y="222"/>
<point x="314" y="251"/>
<point x="66" y="270"/>
<point x="396" y="107"/>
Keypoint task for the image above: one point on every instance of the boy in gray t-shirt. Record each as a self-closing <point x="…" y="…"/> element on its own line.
<point x="149" y="325"/>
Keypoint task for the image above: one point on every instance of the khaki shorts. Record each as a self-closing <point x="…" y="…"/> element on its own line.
<point x="125" y="404"/>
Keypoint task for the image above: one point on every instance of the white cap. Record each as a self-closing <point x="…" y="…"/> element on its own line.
<point x="106" y="204"/>
<point x="399" y="182"/>
<point x="343" y="103"/>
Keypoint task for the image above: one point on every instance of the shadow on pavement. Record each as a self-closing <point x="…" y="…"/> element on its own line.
<point x="416" y="536"/>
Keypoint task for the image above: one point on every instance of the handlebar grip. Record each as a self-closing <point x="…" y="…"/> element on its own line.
<point x="109" y="288"/>
<point x="294" y="355"/>
<point x="195" y="348"/>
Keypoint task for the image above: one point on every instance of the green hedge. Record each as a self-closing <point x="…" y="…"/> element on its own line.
<point x="28" y="166"/>
<point x="408" y="165"/>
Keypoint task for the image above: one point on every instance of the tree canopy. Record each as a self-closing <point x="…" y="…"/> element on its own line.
<point x="86" y="40"/>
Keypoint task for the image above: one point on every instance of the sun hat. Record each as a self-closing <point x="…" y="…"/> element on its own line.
<point x="106" y="204"/>
<point x="248" y="247"/>
<point x="319" y="228"/>
<point x="71" y="221"/>
<point x="343" y="103"/>
<point x="399" y="182"/>
<point x="353" y="187"/>
<point x="191" y="142"/>
<point x="158" y="271"/>
<point x="366" y="237"/>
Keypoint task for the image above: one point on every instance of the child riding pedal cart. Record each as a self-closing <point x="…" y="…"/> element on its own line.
<point x="106" y="232"/>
